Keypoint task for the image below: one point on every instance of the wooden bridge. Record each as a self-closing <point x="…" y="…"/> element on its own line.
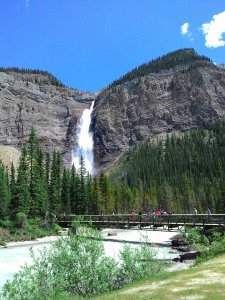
<point x="166" y="222"/>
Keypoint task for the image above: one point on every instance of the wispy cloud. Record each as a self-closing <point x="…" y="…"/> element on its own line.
<point x="27" y="3"/>
<point x="185" y="31"/>
<point x="214" y="30"/>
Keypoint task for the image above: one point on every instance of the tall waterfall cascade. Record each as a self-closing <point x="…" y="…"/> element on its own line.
<point x="85" y="142"/>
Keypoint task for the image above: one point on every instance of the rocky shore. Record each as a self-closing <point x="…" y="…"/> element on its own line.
<point x="44" y="240"/>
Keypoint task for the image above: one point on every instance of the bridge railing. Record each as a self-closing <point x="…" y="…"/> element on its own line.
<point x="172" y="220"/>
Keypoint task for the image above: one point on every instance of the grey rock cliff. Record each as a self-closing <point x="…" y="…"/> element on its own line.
<point x="173" y="100"/>
<point x="178" y="99"/>
<point x="53" y="111"/>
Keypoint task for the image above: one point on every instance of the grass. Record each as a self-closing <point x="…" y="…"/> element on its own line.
<point x="205" y="281"/>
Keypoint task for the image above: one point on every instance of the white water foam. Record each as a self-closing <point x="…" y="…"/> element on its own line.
<point x="84" y="142"/>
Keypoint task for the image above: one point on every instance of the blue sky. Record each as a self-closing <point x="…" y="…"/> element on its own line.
<point x="89" y="43"/>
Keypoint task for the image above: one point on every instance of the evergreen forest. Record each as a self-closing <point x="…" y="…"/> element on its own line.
<point x="175" y="173"/>
<point x="42" y="188"/>
<point x="178" y="173"/>
<point x="182" y="57"/>
<point x="46" y="78"/>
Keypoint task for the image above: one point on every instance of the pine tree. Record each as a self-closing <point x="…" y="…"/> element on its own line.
<point x="4" y="192"/>
<point x="40" y="193"/>
<point x="47" y="180"/>
<point x="81" y="201"/>
<point x="107" y="194"/>
<point x="74" y="189"/>
<point x="12" y="187"/>
<point x="89" y="194"/>
<point x="65" y="192"/>
<point x="55" y="184"/>
<point x="97" y="204"/>
<point x="22" y="190"/>
<point x="38" y="187"/>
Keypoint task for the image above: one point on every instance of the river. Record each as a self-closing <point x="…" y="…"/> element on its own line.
<point x="13" y="257"/>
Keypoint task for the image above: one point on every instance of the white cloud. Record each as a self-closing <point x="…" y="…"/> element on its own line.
<point x="185" y="31"/>
<point x="214" y="30"/>
<point x="184" y="28"/>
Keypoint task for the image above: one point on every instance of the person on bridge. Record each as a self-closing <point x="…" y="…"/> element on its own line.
<point x="195" y="211"/>
<point x="158" y="213"/>
<point x="148" y="214"/>
<point x="132" y="216"/>
<point x="209" y="213"/>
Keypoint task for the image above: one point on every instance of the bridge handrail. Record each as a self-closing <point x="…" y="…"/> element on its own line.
<point x="178" y="218"/>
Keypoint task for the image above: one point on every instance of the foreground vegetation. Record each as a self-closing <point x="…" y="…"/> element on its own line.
<point x="211" y="243"/>
<point x="77" y="265"/>
<point x="77" y="268"/>
<point x="205" y="281"/>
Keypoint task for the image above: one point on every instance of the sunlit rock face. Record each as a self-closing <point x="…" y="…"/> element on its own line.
<point x="177" y="99"/>
<point x="172" y="100"/>
<point x="53" y="111"/>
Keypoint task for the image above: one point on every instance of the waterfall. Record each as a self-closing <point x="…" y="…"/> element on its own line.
<point x="84" y="142"/>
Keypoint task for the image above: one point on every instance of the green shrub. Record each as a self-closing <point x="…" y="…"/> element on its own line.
<point x="217" y="247"/>
<point x="6" y="223"/>
<point x="138" y="263"/>
<point x="56" y="228"/>
<point x="35" y="222"/>
<point x="196" y="236"/>
<point x="21" y="220"/>
<point x="2" y="243"/>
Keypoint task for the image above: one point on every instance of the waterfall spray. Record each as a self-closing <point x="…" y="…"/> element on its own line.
<point x="85" y="142"/>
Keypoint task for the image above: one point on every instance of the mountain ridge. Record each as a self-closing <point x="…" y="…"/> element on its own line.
<point x="180" y="97"/>
<point x="176" y="99"/>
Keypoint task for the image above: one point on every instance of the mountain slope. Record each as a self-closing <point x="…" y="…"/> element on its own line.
<point x="177" y="92"/>
<point x="186" y="96"/>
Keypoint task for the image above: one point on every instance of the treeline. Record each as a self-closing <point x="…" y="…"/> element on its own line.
<point x="165" y="62"/>
<point x="177" y="174"/>
<point x="40" y="188"/>
<point x="46" y="78"/>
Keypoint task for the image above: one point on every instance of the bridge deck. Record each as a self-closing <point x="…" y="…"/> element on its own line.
<point x="169" y="221"/>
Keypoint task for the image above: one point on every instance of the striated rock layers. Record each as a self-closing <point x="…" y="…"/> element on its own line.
<point x="53" y="111"/>
<point x="174" y="100"/>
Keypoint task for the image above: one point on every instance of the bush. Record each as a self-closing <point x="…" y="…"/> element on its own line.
<point x="6" y="223"/>
<point x="217" y="247"/>
<point x="138" y="263"/>
<point x="195" y="236"/>
<point x="21" y="220"/>
<point x="35" y="222"/>
<point x="56" y="228"/>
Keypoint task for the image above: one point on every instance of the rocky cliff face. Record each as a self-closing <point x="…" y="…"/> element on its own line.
<point x="177" y="99"/>
<point x="189" y="92"/>
<point x="53" y="111"/>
